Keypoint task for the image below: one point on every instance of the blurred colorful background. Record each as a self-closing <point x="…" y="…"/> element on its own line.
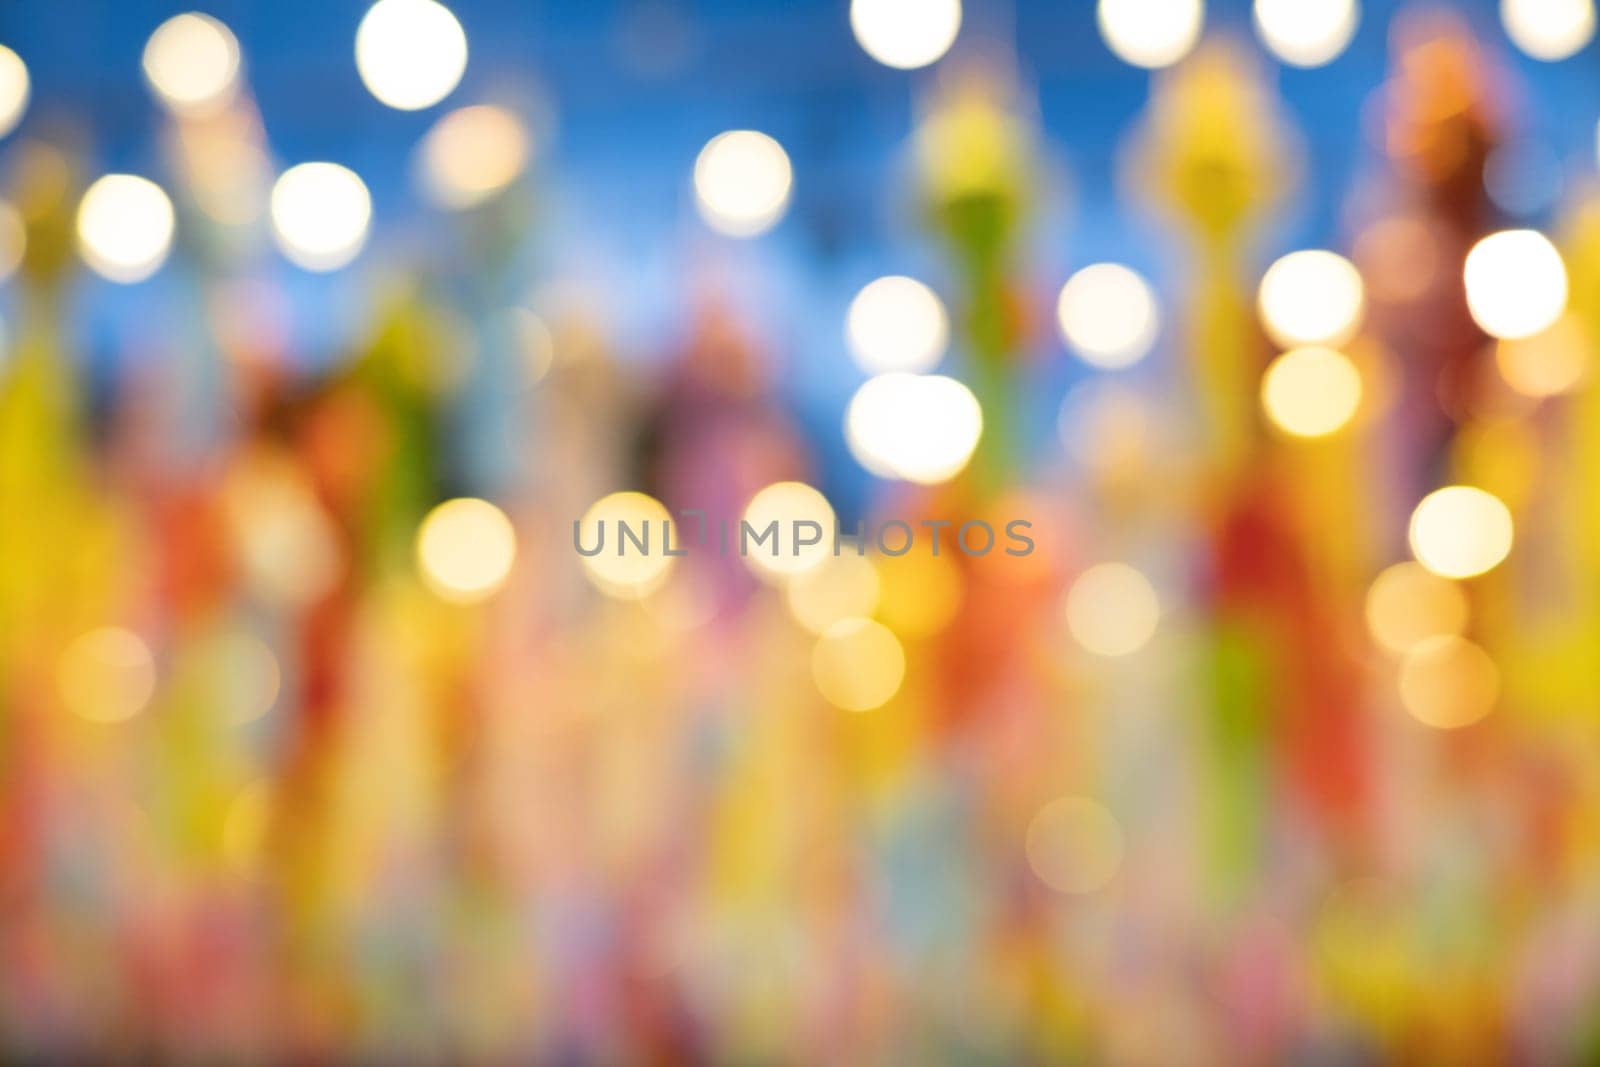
<point x="328" y="332"/>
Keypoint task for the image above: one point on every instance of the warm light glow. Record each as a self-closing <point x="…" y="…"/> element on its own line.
<point x="1112" y="610"/>
<point x="623" y="569"/>
<point x="1516" y="283"/>
<point x="842" y="586"/>
<point x="192" y="63"/>
<point x="14" y="89"/>
<point x="858" y="664"/>
<point x="905" y="34"/>
<point x="471" y="154"/>
<point x="1447" y="682"/>
<point x="1407" y="604"/>
<point x="465" y="548"/>
<point x="788" y="503"/>
<point x="107" y="675"/>
<point x="1312" y="297"/>
<point x="1311" y="392"/>
<point x="320" y="213"/>
<point x="742" y="180"/>
<point x="245" y="677"/>
<point x="1151" y="33"/>
<point x="1074" y="845"/>
<point x="1460" y="531"/>
<point x="246" y="827"/>
<point x="1306" y="33"/>
<point x="916" y="427"/>
<point x="125" y="227"/>
<point x="1549" y="363"/>
<point x="1548" y="29"/>
<point x="897" y="324"/>
<point x="918" y="593"/>
<point x="13" y="240"/>
<point x="1106" y="426"/>
<point x="1108" y="315"/>
<point x="410" y="53"/>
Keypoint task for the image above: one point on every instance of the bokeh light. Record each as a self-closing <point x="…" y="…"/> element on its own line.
<point x="247" y="676"/>
<point x="1461" y="531"/>
<point x="919" y="593"/>
<point x="1307" y="33"/>
<point x="858" y="664"/>
<point x="1448" y="682"/>
<point x="742" y="181"/>
<point x="320" y="215"/>
<point x="125" y="225"/>
<point x="1074" y="845"/>
<point x="1150" y="33"/>
<point x="410" y="53"/>
<point x="1549" y="363"/>
<point x="1311" y="392"/>
<point x="1550" y="30"/>
<point x="1312" y="297"/>
<point x="192" y="63"/>
<point x="1407" y="604"/>
<point x="13" y="239"/>
<point x="906" y="34"/>
<point x="897" y="324"/>
<point x="107" y="675"/>
<point x="473" y="153"/>
<point x="1108" y="314"/>
<point x="1516" y="283"/>
<point x="841" y="587"/>
<point x="14" y="89"/>
<point x="1112" y="610"/>
<point x="465" y="549"/>
<point x="534" y="343"/>
<point x="786" y="504"/>
<point x="621" y="569"/>
<point x="916" y="427"/>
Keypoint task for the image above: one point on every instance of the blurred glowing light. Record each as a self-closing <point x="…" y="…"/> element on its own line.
<point x="1448" y="682"/>
<point x="918" y="593"/>
<point x="1108" y="315"/>
<point x="1548" y="29"/>
<point x="1407" y="604"/>
<point x="916" y="427"/>
<point x="1112" y="610"/>
<point x="1460" y="531"/>
<point x="897" y="324"/>
<point x="320" y="214"/>
<point x="1074" y="845"/>
<point x="107" y="675"/>
<point x="905" y="34"/>
<point x="246" y="825"/>
<point x="1106" y="426"/>
<point x="473" y="153"/>
<point x="125" y="227"/>
<point x="788" y="503"/>
<point x="465" y="548"/>
<point x="621" y="569"/>
<point x="1311" y="392"/>
<point x="1516" y="283"/>
<point x="534" y="343"/>
<point x="1307" y="33"/>
<point x="1150" y="33"/>
<point x="192" y="62"/>
<point x="410" y="53"/>
<point x="858" y="664"/>
<point x="1312" y="297"/>
<point x="13" y="240"/>
<point x="248" y="677"/>
<point x="842" y="586"/>
<point x="14" y="89"/>
<point x="742" y="180"/>
<point x="1551" y="362"/>
<point x="1523" y="177"/>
